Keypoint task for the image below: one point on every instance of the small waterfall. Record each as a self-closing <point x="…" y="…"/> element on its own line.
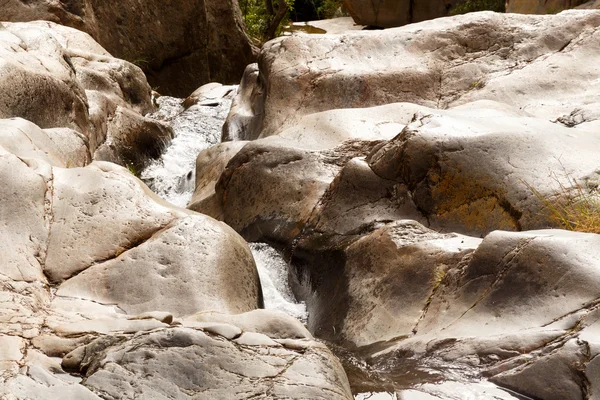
<point x="273" y="272"/>
<point x="172" y="176"/>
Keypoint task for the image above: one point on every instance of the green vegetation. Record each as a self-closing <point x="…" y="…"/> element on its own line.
<point x="575" y="207"/>
<point x="265" y="18"/>
<point x="328" y="8"/>
<point x="479" y="5"/>
<point x="132" y="169"/>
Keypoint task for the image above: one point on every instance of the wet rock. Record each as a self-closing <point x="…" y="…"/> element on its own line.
<point x="520" y="60"/>
<point x="181" y="46"/>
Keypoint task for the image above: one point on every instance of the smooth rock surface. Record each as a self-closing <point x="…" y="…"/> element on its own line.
<point x="388" y="14"/>
<point x="58" y="77"/>
<point x="532" y="63"/>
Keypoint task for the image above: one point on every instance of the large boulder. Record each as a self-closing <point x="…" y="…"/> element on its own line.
<point x="180" y="45"/>
<point x="533" y="63"/>
<point x="388" y="14"/>
<point x="58" y="77"/>
<point x="541" y="6"/>
<point x="214" y="357"/>
<point x="522" y="310"/>
<point x="93" y="260"/>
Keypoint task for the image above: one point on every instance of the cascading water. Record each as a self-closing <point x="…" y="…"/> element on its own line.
<point x="273" y="273"/>
<point x="197" y="128"/>
<point x="172" y="177"/>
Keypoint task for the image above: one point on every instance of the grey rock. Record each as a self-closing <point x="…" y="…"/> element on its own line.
<point x="439" y="64"/>
<point x="186" y="363"/>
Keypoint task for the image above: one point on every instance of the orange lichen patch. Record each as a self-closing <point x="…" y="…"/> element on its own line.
<point x="481" y="216"/>
<point x="454" y="189"/>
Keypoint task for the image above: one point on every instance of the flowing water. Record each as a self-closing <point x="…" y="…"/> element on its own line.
<point x="273" y="272"/>
<point x="173" y="175"/>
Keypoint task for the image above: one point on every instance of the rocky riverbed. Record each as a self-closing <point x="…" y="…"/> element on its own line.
<point x="366" y="216"/>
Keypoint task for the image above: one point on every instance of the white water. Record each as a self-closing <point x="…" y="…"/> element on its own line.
<point x="172" y="178"/>
<point x="173" y="175"/>
<point x="273" y="272"/>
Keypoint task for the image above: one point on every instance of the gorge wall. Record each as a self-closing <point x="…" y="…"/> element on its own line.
<point x="180" y="45"/>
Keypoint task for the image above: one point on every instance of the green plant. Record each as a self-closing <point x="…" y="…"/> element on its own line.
<point x="477" y="85"/>
<point x="328" y="8"/>
<point x="140" y="61"/>
<point x="132" y="169"/>
<point x="468" y="6"/>
<point x="574" y="207"/>
<point x="264" y="19"/>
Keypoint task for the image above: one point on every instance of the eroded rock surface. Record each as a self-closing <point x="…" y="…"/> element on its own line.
<point x="394" y="218"/>
<point x="90" y="254"/>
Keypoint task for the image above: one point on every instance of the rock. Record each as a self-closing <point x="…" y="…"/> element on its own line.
<point x="334" y="26"/>
<point x="397" y="267"/>
<point x="593" y="4"/>
<point x="181" y="46"/>
<point x="513" y="59"/>
<point x="72" y="146"/>
<point x="273" y="324"/>
<point x="210" y="164"/>
<point x="208" y="95"/>
<point x="271" y="170"/>
<point x="541" y="7"/>
<point x="382" y="14"/>
<point x="189" y="362"/>
<point x="157" y="275"/>
<point x="134" y="140"/>
<point x="70" y="82"/>
<point x="97" y="214"/>
<point x="242" y="123"/>
<point x="495" y="185"/>
<point x="523" y="339"/>
<point x="60" y="147"/>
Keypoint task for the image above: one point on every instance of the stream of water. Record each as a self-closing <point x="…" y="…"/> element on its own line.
<point x="173" y="176"/>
